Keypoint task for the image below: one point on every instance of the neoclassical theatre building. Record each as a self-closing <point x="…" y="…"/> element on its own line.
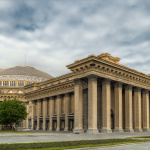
<point x="99" y="95"/>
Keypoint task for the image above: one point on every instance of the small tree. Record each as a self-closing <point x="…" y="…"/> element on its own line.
<point x="12" y="111"/>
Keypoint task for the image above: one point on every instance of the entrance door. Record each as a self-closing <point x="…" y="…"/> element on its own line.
<point x="29" y="123"/>
<point x="54" y="125"/>
<point x="71" y="124"/>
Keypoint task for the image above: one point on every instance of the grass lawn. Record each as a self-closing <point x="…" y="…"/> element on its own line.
<point x="67" y="144"/>
<point x="10" y="131"/>
<point x="90" y="145"/>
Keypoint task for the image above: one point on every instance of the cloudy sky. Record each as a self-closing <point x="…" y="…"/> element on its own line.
<point x="54" y="33"/>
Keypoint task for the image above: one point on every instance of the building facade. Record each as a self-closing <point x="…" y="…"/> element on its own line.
<point x="99" y="95"/>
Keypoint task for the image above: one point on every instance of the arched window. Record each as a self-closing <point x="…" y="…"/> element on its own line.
<point x="20" y="92"/>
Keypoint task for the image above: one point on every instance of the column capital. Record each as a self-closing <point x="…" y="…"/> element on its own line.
<point x="44" y="99"/>
<point x="106" y="81"/>
<point x="39" y="100"/>
<point x="33" y="101"/>
<point x="118" y="84"/>
<point x="59" y="96"/>
<point x="92" y="77"/>
<point x="67" y="94"/>
<point x="78" y="81"/>
<point x="145" y="91"/>
<point x="128" y="87"/>
<point x="51" y="98"/>
<point x="137" y="89"/>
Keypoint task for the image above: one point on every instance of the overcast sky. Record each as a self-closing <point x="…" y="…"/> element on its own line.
<point x="55" y="33"/>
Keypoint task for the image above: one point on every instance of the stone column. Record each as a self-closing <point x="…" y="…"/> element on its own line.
<point x="128" y="109"/>
<point x="78" y="107"/>
<point x="85" y="109"/>
<point x="145" y="110"/>
<point x="32" y="114"/>
<point x="44" y="113"/>
<point x="106" y="106"/>
<point x="51" y="112"/>
<point x="38" y="113"/>
<point x="137" y="109"/>
<point x="118" y="107"/>
<point x="59" y="97"/>
<point x="67" y="109"/>
<point x="92" y="104"/>
<point x="27" y="108"/>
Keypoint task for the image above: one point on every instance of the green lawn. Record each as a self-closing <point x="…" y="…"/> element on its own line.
<point x="84" y="146"/>
<point x="67" y="144"/>
<point x="10" y="131"/>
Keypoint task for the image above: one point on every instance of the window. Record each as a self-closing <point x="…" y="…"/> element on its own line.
<point x="0" y="83"/>
<point x="5" y="83"/>
<point x="20" y="83"/>
<point x="20" y="92"/>
<point x="27" y="83"/>
<point x="30" y="109"/>
<point x="12" y="83"/>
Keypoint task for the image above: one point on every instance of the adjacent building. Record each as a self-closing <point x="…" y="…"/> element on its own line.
<point x="99" y="95"/>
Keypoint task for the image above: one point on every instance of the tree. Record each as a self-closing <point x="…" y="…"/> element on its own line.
<point x="12" y="111"/>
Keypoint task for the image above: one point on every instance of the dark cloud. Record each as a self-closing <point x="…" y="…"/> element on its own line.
<point x="55" y="33"/>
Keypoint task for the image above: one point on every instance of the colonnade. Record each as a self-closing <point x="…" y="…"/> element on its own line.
<point x="103" y="106"/>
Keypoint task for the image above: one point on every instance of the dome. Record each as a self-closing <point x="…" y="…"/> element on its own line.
<point x="25" y="73"/>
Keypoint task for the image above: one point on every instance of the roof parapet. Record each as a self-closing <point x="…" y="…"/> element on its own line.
<point x="108" y="57"/>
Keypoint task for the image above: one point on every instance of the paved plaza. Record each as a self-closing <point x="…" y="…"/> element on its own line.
<point x="61" y="136"/>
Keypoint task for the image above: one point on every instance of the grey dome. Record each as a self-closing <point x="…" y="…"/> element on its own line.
<point x="26" y="73"/>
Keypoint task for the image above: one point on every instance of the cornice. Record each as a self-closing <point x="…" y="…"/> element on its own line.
<point x="51" y="90"/>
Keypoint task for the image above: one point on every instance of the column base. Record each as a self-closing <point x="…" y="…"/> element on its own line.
<point x="50" y="129"/>
<point x="66" y="129"/>
<point x="106" y="130"/>
<point x="118" y="130"/>
<point x="44" y="129"/>
<point x="92" y="131"/>
<point x="128" y="130"/>
<point x="77" y="131"/>
<point x="57" y="129"/>
<point x="37" y="129"/>
<point x="146" y="129"/>
<point x="138" y="130"/>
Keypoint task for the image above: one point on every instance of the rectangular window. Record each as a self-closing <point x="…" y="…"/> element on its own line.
<point x="20" y="83"/>
<point x="5" y="83"/>
<point x="27" y="83"/>
<point x="12" y="83"/>
<point x="0" y="83"/>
